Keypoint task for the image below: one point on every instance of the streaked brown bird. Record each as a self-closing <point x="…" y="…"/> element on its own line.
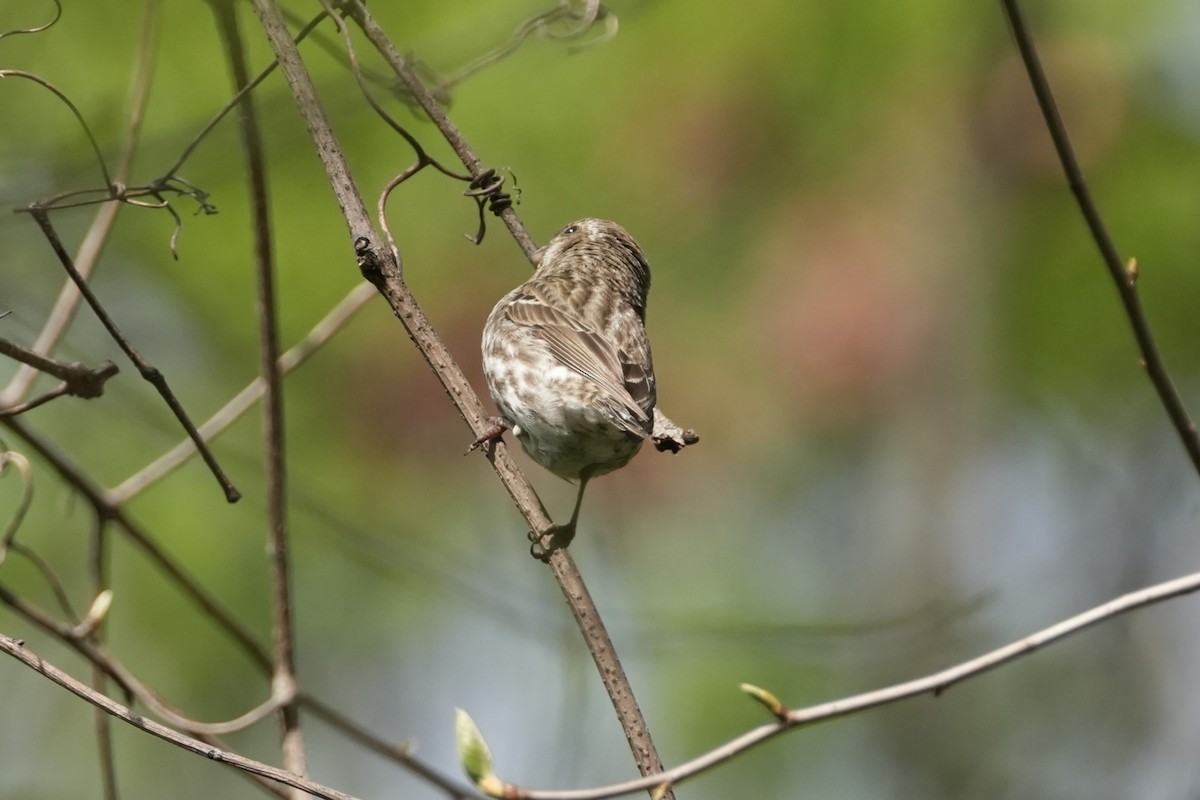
<point x="567" y="359"/>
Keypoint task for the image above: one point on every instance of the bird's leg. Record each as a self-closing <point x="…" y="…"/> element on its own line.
<point x="491" y="435"/>
<point x="557" y="537"/>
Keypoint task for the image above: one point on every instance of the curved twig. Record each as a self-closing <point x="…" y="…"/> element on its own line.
<point x="22" y="466"/>
<point x="437" y="114"/>
<point x="45" y="84"/>
<point x="592" y="12"/>
<point x="39" y="28"/>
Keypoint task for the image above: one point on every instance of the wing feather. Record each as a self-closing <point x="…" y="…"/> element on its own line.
<point x="627" y="385"/>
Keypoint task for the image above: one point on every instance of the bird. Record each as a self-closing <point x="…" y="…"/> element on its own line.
<point x="567" y="358"/>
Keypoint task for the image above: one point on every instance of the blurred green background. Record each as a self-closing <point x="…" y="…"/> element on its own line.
<point x="924" y="428"/>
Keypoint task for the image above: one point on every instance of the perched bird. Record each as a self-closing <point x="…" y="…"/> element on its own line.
<point x="567" y="359"/>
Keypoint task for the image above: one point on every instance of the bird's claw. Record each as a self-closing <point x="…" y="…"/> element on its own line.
<point x="556" y="537"/>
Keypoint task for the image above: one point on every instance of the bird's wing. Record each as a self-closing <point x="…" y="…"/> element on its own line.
<point x="625" y="378"/>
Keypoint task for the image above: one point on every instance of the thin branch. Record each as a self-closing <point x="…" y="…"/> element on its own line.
<point x="322" y="332"/>
<point x="224" y="619"/>
<point x="399" y="753"/>
<point x="437" y="114"/>
<point x="284" y="684"/>
<point x="97" y="234"/>
<point x="93" y="628"/>
<point x="16" y="649"/>
<point x="145" y="368"/>
<point x="236" y="99"/>
<point x="29" y="405"/>
<point x="80" y="636"/>
<point x="78" y="379"/>
<point x="1124" y="278"/>
<point x="87" y="131"/>
<point x="592" y="13"/>
<point x="39" y="28"/>
<point x="64" y="633"/>
<point x="934" y="685"/>
<point x="73" y="475"/>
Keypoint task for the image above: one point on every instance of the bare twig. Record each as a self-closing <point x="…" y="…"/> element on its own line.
<point x="21" y="464"/>
<point x="145" y="368"/>
<point x="97" y="234"/>
<point x="933" y="685"/>
<point x="236" y="99"/>
<point x="29" y="405"/>
<point x="73" y="475"/>
<point x="592" y="13"/>
<point x="1152" y="360"/>
<point x="398" y="753"/>
<point x="284" y="684"/>
<point x="437" y="114"/>
<point x="17" y="650"/>
<point x="322" y="332"/>
<point x="92" y="628"/>
<point x="78" y="379"/>
<point x="39" y="28"/>
<point x="82" y="638"/>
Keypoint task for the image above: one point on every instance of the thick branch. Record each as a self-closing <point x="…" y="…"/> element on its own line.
<point x="380" y="267"/>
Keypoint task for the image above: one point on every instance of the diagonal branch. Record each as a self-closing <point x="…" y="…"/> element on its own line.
<point x="229" y="413"/>
<point x="381" y="266"/>
<point x="144" y="367"/>
<point x="16" y="649"/>
<point x="437" y="114"/>
<point x="1124" y="276"/>
<point x="94" y="240"/>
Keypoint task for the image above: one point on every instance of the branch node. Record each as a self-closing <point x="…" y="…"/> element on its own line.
<point x="1131" y="272"/>
<point x="368" y="259"/>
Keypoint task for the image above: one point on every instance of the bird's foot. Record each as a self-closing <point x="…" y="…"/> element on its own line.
<point x="556" y="537"/>
<point x="491" y="435"/>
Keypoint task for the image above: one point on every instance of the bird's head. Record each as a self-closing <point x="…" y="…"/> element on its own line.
<point x="602" y="248"/>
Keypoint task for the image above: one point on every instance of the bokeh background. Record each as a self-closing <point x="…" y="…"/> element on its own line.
<point x="924" y="428"/>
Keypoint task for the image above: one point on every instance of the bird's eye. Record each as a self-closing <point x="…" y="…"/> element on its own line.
<point x="571" y="229"/>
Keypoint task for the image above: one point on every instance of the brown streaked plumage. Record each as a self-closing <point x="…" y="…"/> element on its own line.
<point x="567" y="359"/>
